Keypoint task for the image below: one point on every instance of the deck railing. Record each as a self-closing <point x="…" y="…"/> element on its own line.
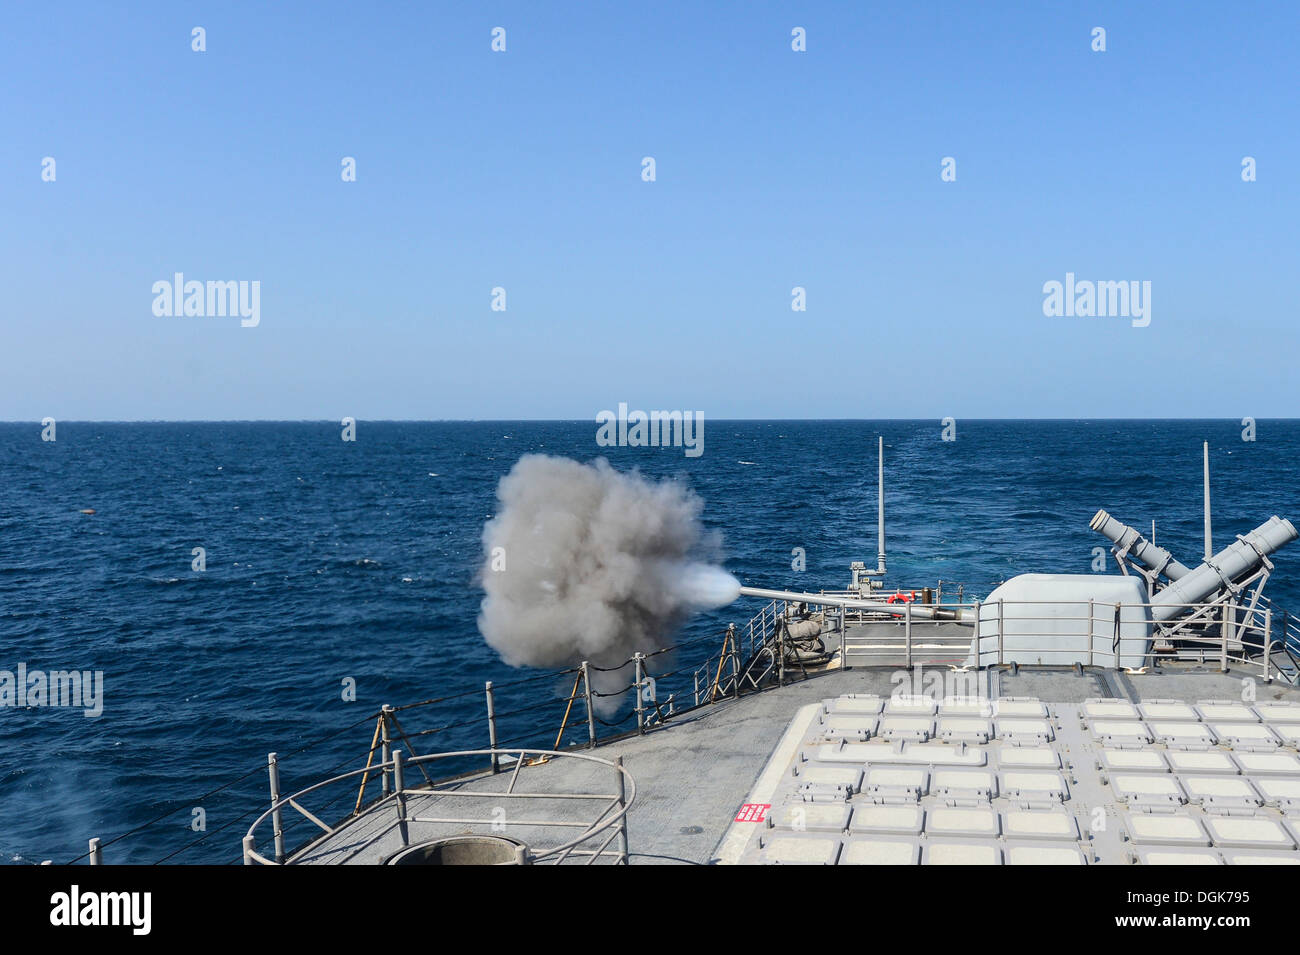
<point x="1088" y="632"/>
<point x="608" y="822"/>
<point x="580" y="707"/>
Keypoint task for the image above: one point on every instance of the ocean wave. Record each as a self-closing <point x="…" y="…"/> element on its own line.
<point x="260" y="668"/>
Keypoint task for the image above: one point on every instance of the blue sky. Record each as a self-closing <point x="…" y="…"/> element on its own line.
<point x="522" y="169"/>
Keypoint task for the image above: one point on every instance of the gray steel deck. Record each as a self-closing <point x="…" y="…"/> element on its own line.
<point x="695" y="772"/>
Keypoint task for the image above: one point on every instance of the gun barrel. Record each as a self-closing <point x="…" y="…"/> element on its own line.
<point x="919" y="611"/>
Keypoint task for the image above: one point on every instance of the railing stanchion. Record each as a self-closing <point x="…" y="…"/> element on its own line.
<point x="978" y="642"/>
<point x="1092" y="628"/>
<point x="249" y="846"/>
<point x="96" y="852"/>
<point x="622" y="820"/>
<point x="1002" y="634"/>
<point x="780" y="655"/>
<point x="277" y="822"/>
<point x="1268" y="644"/>
<point x="591" y="712"/>
<point x="1223" y="642"/>
<point x="492" y="728"/>
<point x="638" y="660"/>
<point x="1114" y="646"/>
<point x="387" y="751"/>
<point x="907" y="631"/>
<point x="399" y="790"/>
<point x="735" y="662"/>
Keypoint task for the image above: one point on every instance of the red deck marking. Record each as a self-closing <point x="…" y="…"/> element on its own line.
<point x="753" y="812"/>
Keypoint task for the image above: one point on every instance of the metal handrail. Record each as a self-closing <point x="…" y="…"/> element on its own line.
<point x="620" y="801"/>
<point x="745" y="670"/>
<point x="1233" y="633"/>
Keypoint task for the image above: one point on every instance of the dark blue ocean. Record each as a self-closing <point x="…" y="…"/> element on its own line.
<point x="329" y="560"/>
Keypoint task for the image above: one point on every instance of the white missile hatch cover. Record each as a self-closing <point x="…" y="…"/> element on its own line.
<point x="1226" y="711"/>
<point x="847" y="726"/>
<point x="813" y="817"/>
<point x="1254" y="736"/>
<point x="1147" y="788"/>
<point x="1223" y="789"/>
<point x="1029" y="757"/>
<point x="897" y="777"/>
<point x="963" y="785"/>
<point x="962" y="706"/>
<point x="1206" y="761"/>
<point x="887" y="819"/>
<point x="965" y="729"/>
<point x="860" y="705"/>
<point x="1248" y="833"/>
<point x="961" y="821"/>
<point x="1168" y="710"/>
<point x="1288" y="733"/>
<point x="1279" y="792"/>
<point x="962" y="853"/>
<point x="1183" y="735"/>
<point x="799" y="849"/>
<point x="1123" y="734"/>
<point x="1035" y="786"/>
<point x="1133" y="760"/>
<point x="918" y="728"/>
<point x="910" y="706"/>
<point x="1268" y="764"/>
<point x="830" y="776"/>
<point x="1030" y="731"/>
<point x="1279" y="712"/>
<point x="1013" y="708"/>
<point x="1044" y="855"/>
<point x="879" y="852"/>
<point x="1099" y="709"/>
<point x="1040" y="824"/>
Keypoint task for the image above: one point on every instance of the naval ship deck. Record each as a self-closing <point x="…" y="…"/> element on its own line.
<point x="832" y="769"/>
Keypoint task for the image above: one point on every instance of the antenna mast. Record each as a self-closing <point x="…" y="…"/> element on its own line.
<point x="880" y="507"/>
<point x="1209" y="546"/>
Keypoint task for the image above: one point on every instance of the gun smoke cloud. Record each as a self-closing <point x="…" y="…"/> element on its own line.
<point x="585" y="563"/>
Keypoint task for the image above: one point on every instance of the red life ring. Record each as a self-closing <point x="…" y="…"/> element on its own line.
<point x="900" y="597"/>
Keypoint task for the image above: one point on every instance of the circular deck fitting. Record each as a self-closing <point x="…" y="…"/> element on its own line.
<point x="464" y="850"/>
